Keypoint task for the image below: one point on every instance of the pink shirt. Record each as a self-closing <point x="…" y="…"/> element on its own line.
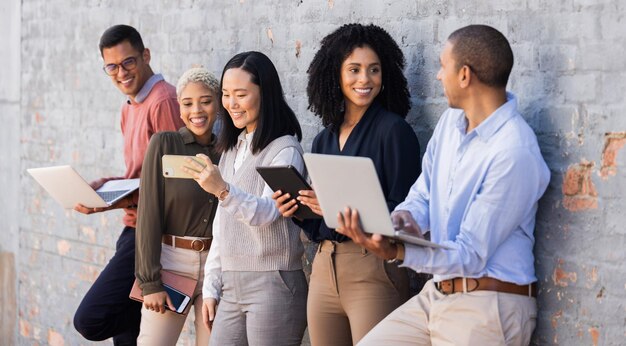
<point x="155" y="109"/>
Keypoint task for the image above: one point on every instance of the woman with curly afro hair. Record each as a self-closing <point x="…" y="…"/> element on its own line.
<point x="357" y="87"/>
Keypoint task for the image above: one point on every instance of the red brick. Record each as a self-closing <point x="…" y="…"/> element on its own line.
<point x="595" y="335"/>
<point x="55" y="338"/>
<point x="25" y="328"/>
<point x="578" y="203"/>
<point x="562" y="278"/>
<point x="572" y="181"/>
<point x="579" y="192"/>
<point x="614" y="141"/>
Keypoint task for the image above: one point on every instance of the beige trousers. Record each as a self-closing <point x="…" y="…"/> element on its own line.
<point x="475" y="318"/>
<point x="164" y="329"/>
<point x="350" y="291"/>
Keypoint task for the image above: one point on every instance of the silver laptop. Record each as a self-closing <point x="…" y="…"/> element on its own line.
<point x="341" y="181"/>
<point x="68" y="188"/>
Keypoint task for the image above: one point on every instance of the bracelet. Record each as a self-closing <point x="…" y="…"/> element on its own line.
<point x="224" y="193"/>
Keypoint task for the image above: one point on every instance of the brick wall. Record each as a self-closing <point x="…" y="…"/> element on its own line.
<point x="10" y="199"/>
<point x="60" y="108"/>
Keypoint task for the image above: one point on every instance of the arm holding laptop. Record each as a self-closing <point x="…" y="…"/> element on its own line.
<point x="495" y="215"/>
<point x="126" y="202"/>
<point x="401" y="218"/>
<point x="381" y="246"/>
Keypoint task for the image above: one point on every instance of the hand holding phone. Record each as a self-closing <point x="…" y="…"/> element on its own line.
<point x="179" y="299"/>
<point x="173" y="165"/>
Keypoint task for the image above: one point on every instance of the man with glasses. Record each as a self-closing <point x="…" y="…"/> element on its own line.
<point x="106" y="311"/>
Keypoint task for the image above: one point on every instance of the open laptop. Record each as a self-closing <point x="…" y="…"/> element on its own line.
<point x="68" y="188"/>
<point x="341" y="181"/>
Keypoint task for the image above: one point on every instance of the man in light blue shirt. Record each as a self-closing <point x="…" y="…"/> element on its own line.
<point x="482" y="176"/>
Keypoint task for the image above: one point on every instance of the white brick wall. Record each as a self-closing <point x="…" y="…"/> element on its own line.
<point x="57" y="106"/>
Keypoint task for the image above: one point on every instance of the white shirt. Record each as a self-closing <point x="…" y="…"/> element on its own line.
<point x="247" y="208"/>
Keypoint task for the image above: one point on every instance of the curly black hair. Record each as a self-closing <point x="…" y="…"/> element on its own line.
<point x="323" y="88"/>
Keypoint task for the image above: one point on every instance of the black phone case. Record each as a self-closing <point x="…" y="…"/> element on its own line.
<point x="288" y="180"/>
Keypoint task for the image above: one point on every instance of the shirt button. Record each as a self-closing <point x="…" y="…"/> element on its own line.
<point x="205" y="220"/>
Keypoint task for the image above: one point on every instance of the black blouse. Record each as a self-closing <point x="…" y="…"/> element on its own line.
<point x="390" y="142"/>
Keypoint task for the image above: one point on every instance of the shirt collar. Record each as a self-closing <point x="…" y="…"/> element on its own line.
<point x="147" y="87"/>
<point x="189" y="138"/>
<point x="244" y="138"/>
<point x="492" y="124"/>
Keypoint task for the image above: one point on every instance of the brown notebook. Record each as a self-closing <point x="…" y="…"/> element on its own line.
<point x="185" y="285"/>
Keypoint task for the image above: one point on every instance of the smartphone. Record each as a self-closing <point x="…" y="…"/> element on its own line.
<point x="179" y="299"/>
<point x="288" y="180"/>
<point x="173" y="165"/>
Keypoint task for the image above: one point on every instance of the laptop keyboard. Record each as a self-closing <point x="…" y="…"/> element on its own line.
<point x="109" y="196"/>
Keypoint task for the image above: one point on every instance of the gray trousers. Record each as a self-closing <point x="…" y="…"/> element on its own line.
<point x="261" y="308"/>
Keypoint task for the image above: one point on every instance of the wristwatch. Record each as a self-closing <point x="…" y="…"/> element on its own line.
<point x="224" y="193"/>
<point x="399" y="254"/>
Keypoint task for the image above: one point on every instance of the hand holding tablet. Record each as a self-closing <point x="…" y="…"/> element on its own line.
<point x="287" y="179"/>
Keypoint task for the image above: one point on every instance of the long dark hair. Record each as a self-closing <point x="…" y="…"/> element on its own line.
<point x="325" y="96"/>
<point x="276" y="118"/>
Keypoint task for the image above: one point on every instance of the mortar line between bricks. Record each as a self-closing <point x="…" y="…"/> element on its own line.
<point x="73" y="240"/>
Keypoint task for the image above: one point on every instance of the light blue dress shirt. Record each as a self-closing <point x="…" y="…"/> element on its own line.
<point x="478" y="195"/>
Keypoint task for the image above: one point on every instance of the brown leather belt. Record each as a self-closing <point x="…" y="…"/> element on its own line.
<point x="189" y="244"/>
<point x="484" y="284"/>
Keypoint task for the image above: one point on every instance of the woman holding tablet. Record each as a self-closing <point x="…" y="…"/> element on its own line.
<point x="357" y="87"/>
<point x="256" y="257"/>
<point x="174" y="228"/>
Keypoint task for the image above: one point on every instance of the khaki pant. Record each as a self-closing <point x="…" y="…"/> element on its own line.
<point x="164" y="329"/>
<point x="350" y="291"/>
<point x="475" y="318"/>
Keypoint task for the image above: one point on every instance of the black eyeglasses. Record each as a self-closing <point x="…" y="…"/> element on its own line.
<point x="128" y="65"/>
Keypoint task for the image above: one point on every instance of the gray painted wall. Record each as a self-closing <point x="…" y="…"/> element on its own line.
<point x="58" y="107"/>
<point x="10" y="199"/>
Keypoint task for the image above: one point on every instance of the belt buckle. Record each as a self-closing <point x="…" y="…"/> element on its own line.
<point x="439" y="287"/>
<point x="193" y="245"/>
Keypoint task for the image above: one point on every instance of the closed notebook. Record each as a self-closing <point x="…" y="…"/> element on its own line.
<point x="185" y="285"/>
